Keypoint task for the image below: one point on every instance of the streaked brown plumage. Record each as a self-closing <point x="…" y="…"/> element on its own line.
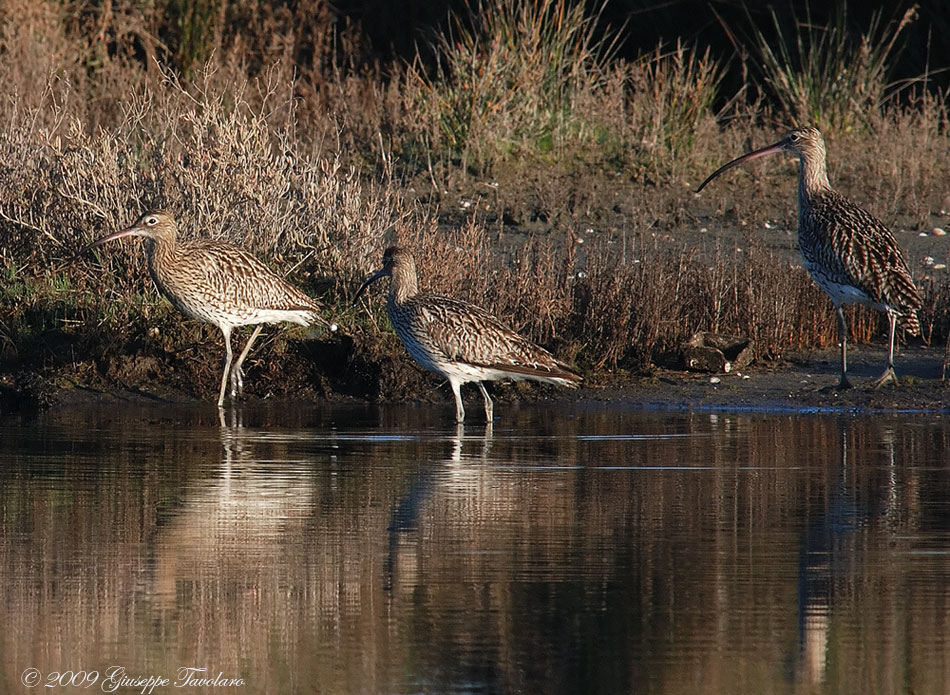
<point x="457" y="340"/>
<point x="217" y="283"/>
<point x="850" y="253"/>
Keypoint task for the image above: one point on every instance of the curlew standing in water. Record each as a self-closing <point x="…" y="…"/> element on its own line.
<point x="850" y="253"/>
<point x="457" y="340"/>
<point x="217" y="283"/>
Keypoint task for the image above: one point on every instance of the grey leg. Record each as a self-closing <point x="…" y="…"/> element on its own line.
<point x="237" y="374"/>
<point x="457" y="390"/>
<point x="489" y="406"/>
<point x="226" y="331"/>
<point x="843" y="337"/>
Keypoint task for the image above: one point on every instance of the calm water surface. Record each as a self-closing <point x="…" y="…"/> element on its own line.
<point x="573" y="549"/>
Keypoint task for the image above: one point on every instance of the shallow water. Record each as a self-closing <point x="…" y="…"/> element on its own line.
<point x="574" y="548"/>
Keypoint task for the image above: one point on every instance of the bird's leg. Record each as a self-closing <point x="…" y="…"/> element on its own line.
<point x="488" y="402"/>
<point x="457" y="390"/>
<point x="843" y="337"/>
<point x="226" y="331"/>
<point x="237" y="373"/>
<point x="889" y="375"/>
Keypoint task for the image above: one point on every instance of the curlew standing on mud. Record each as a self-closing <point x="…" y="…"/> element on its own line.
<point x="457" y="340"/>
<point x="850" y="253"/>
<point x="218" y="283"/>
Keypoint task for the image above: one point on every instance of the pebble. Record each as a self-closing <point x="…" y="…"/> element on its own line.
<point x="714" y="380"/>
<point x="937" y="231"/>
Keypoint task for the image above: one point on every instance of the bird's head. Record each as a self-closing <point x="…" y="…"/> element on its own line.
<point x="806" y="142"/>
<point x="157" y="225"/>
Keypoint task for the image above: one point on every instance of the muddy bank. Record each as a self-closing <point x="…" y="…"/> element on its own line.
<point x="799" y="383"/>
<point x="802" y="382"/>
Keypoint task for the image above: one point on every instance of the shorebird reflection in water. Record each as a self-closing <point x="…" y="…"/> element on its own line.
<point x="851" y="254"/>
<point x="458" y="340"/>
<point x="218" y="283"/>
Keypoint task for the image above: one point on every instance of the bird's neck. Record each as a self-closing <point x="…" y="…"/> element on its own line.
<point x="161" y="253"/>
<point x="403" y="285"/>
<point x="812" y="177"/>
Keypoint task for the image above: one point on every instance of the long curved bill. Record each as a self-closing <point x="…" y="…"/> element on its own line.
<point x="130" y="231"/>
<point x="754" y="154"/>
<point x="369" y="281"/>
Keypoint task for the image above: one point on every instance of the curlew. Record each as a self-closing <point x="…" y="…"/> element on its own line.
<point x="457" y="340"/>
<point x="217" y="283"/>
<point x="851" y="254"/>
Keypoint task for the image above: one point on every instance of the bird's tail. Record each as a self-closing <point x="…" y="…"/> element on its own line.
<point x="908" y="322"/>
<point x="319" y="325"/>
<point x="903" y="297"/>
<point x="554" y="373"/>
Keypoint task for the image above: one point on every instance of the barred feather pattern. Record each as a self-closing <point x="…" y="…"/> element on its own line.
<point x="441" y="333"/>
<point x="222" y="284"/>
<point x="850" y="253"/>
<point x="854" y="257"/>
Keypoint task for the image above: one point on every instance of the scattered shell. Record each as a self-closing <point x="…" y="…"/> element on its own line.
<point x="714" y="380"/>
<point x="940" y="266"/>
<point x="937" y="231"/>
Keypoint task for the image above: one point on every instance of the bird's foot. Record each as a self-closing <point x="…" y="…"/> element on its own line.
<point x="888" y="377"/>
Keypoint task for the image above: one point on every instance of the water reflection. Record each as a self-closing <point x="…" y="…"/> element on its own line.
<point x="404" y="539"/>
<point x="593" y="549"/>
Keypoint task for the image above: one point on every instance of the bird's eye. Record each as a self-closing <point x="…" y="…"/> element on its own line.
<point x="151" y="221"/>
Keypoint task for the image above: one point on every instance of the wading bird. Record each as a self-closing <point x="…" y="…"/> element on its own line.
<point x="218" y="283"/>
<point x="457" y="340"/>
<point x="850" y="253"/>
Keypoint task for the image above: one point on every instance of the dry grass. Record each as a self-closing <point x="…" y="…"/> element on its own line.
<point x="820" y="76"/>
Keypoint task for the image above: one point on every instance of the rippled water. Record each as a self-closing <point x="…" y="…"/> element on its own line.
<point x="574" y="548"/>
